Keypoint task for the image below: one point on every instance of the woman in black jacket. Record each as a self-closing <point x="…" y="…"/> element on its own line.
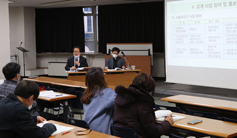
<point x="134" y="108"/>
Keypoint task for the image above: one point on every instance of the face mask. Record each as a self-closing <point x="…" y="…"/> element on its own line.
<point x="115" y="55"/>
<point x="19" y="79"/>
<point x="29" y="107"/>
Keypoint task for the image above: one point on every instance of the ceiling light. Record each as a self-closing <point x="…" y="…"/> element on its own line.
<point x="62" y="2"/>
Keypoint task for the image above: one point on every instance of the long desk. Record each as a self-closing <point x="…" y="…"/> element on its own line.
<point x="92" y="134"/>
<point x="124" y="79"/>
<point x="208" y="126"/>
<point x="65" y="106"/>
<point x="61" y="82"/>
<point x="222" y="107"/>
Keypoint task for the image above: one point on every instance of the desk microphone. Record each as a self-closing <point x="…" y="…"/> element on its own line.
<point x="128" y="67"/>
<point x="123" y="54"/>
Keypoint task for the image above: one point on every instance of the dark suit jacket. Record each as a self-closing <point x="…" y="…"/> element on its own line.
<point x="16" y="121"/>
<point x="110" y="62"/>
<point x="70" y="62"/>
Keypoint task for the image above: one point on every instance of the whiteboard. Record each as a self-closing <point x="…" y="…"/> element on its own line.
<point x="132" y="47"/>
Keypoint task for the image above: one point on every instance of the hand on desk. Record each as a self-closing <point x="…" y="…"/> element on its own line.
<point x="123" y="67"/>
<point x="106" y="68"/>
<point x="170" y="119"/>
<point x="73" y="68"/>
<point x="40" y="119"/>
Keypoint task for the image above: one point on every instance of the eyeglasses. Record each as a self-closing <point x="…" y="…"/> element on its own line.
<point x="78" y="132"/>
<point x="76" y="51"/>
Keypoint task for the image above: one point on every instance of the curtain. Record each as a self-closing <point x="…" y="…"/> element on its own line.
<point x="59" y="29"/>
<point x="132" y="23"/>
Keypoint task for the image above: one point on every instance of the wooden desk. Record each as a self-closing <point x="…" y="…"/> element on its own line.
<point x="208" y="126"/>
<point x="69" y="96"/>
<point x="65" y="105"/>
<point x="92" y="134"/>
<point x="62" y="82"/>
<point x="222" y="107"/>
<point x="124" y="79"/>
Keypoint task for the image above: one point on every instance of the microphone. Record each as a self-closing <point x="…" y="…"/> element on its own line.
<point x="123" y="54"/>
<point x="128" y="67"/>
<point x="20" y="44"/>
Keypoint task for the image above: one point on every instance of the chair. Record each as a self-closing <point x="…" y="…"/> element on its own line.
<point x="229" y="119"/>
<point x="123" y="132"/>
<point x="162" y="107"/>
<point x="203" y="114"/>
<point x="76" y="103"/>
<point x="77" y="122"/>
<point x="171" y="135"/>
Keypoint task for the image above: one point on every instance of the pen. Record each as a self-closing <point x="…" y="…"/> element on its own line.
<point x="166" y="116"/>
<point x="66" y="132"/>
<point x="59" y="95"/>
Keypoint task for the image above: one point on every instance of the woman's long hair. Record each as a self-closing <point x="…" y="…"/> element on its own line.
<point x="95" y="82"/>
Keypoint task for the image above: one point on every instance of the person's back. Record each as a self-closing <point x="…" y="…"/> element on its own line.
<point x="8" y="86"/>
<point x="98" y="101"/>
<point x="15" y="118"/>
<point x="11" y="72"/>
<point x="134" y="108"/>
<point x="98" y="114"/>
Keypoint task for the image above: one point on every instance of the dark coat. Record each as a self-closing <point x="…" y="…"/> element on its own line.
<point x="70" y="62"/>
<point x="16" y="121"/>
<point x="134" y="109"/>
<point x="110" y="62"/>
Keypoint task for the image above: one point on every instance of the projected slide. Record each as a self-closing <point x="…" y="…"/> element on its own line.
<point x="202" y="33"/>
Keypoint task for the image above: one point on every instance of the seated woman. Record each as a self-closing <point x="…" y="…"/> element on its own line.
<point x="98" y="101"/>
<point x="134" y="108"/>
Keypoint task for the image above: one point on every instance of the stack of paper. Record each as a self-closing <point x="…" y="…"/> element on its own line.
<point x="60" y="128"/>
<point x="51" y="94"/>
<point x="162" y="114"/>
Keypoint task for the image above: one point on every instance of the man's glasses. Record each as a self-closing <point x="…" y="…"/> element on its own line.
<point x="78" y="132"/>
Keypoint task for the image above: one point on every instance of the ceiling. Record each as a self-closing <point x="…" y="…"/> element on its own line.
<point x="37" y="3"/>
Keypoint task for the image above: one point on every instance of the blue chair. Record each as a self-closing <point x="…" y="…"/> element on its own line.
<point x="77" y="122"/>
<point x="123" y="132"/>
<point x="171" y="108"/>
<point x="203" y="114"/>
<point x="229" y="119"/>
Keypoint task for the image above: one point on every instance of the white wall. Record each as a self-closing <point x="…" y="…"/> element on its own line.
<point x="22" y="29"/>
<point x="4" y="35"/>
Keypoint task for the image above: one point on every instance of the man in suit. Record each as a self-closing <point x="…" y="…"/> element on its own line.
<point x="76" y="61"/>
<point x="115" y="61"/>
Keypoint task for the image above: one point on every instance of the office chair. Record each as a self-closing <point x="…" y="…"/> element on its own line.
<point x="76" y="122"/>
<point x="229" y="119"/>
<point x="211" y="115"/>
<point x="163" y="107"/>
<point x="75" y="103"/>
<point x="123" y="132"/>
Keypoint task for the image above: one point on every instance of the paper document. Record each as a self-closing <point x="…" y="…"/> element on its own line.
<point x="162" y="114"/>
<point x="60" y="128"/>
<point x="78" y="69"/>
<point x="115" y="69"/>
<point x="1" y="81"/>
<point x="51" y="94"/>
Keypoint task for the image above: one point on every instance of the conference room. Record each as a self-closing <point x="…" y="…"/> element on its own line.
<point x="186" y="46"/>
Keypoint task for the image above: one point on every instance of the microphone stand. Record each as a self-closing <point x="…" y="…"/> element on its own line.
<point x="128" y="67"/>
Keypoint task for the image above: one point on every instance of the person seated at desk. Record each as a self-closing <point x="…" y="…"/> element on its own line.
<point x="98" y="101"/>
<point x="11" y="72"/>
<point x="115" y="61"/>
<point x="15" y="118"/>
<point x="76" y="61"/>
<point x="134" y="108"/>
